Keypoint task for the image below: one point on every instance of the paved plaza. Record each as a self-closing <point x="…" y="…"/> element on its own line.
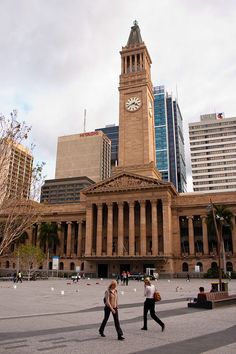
<point x="57" y="316"/>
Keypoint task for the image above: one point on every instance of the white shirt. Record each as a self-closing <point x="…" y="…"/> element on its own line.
<point x="149" y="291"/>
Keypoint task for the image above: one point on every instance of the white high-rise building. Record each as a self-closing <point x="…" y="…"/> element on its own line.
<point x="213" y="153"/>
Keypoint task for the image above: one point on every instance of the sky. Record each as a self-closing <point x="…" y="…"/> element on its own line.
<point x="60" y="57"/>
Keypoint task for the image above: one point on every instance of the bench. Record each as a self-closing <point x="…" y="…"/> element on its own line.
<point x="212" y="300"/>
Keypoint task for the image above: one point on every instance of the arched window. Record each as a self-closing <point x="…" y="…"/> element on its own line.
<point x="200" y="266"/>
<point x="229" y="266"/>
<point x="61" y="266"/>
<point x="185" y="267"/>
<point x="214" y="265"/>
<point x="72" y="266"/>
<point x="50" y="265"/>
<point x="7" y="264"/>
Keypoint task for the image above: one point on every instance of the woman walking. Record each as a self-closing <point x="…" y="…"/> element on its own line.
<point x="149" y="304"/>
<point x="111" y="305"/>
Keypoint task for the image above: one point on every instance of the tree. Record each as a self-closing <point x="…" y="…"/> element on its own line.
<point x="19" y="208"/>
<point x="48" y="238"/>
<point x="217" y="218"/>
<point x="29" y="257"/>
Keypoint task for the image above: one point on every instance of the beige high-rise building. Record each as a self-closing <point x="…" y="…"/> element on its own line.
<point x="18" y="166"/>
<point x="213" y="153"/>
<point x="85" y="154"/>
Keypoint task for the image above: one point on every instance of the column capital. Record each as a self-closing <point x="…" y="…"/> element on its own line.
<point x="120" y="204"/>
<point x="99" y="205"/>
<point x="189" y="217"/>
<point x="142" y="202"/>
<point x="153" y="201"/>
<point x="69" y="222"/>
<point x="109" y="205"/>
<point x="131" y="204"/>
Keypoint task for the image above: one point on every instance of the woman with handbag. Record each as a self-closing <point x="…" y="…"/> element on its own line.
<point x="149" y="305"/>
<point x="111" y="305"/>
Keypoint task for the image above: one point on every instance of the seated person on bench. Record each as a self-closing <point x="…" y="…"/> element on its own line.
<point x="201" y="297"/>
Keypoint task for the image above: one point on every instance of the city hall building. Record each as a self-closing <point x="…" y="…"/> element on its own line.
<point x="134" y="220"/>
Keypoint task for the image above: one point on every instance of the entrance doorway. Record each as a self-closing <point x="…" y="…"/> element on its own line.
<point x="125" y="267"/>
<point x="102" y="270"/>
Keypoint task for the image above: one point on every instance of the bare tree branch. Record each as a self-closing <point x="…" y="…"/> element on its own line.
<point x="19" y="191"/>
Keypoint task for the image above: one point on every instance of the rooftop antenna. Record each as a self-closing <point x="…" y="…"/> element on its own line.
<point x="84" y="120"/>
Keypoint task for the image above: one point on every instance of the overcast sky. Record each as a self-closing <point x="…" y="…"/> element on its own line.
<point x="59" y="57"/>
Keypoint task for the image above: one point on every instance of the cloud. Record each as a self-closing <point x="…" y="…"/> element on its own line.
<point x="60" y="57"/>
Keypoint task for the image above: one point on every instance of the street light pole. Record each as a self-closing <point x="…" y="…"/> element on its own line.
<point x="219" y="238"/>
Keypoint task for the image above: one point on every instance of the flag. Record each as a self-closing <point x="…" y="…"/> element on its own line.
<point x="219" y="116"/>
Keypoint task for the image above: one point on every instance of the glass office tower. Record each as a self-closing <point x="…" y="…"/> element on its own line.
<point x="169" y="139"/>
<point x="112" y="132"/>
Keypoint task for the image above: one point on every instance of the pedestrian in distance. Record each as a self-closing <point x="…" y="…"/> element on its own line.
<point x="111" y="306"/>
<point x="188" y="277"/>
<point x="149" y="305"/>
<point x="19" y="277"/>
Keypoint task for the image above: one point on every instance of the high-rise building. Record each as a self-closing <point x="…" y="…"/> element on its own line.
<point x="17" y="172"/>
<point x="169" y="140"/>
<point x="112" y="131"/>
<point x="85" y="154"/>
<point x="213" y="153"/>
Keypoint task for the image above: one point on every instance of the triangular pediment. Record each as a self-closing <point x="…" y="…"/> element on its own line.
<point x="125" y="181"/>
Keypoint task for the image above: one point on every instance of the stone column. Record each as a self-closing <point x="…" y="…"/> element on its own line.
<point x="234" y="235"/>
<point x="60" y="247"/>
<point x="109" y="228"/>
<point x="30" y="235"/>
<point x="154" y="228"/>
<point x="99" y="231"/>
<point x="120" y="228"/>
<point x="205" y="236"/>
<point x="191" y="235"/>
<point x="167" y="225"/>
<point x="131" y="229"/>
<point x="79" y="240"/>
<point x="143" y="236"/>
<point x="89" y="230"/>
<point x="38" y="235"/>
<point x="68" y="243"/>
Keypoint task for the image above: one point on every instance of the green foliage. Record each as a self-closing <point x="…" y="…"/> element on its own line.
<point x="212" y="273"/>
<point x="48" y="235"/>
<point x="29" y="257"/>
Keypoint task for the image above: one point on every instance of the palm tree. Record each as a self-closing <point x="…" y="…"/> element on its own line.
<point x="48" y="238"/>
<point x="217" y="218"/>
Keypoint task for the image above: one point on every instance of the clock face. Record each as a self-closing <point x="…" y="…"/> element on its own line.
<point x="133" y="104"/>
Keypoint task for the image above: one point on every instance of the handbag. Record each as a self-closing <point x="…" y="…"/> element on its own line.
<point x="157" y="296"/>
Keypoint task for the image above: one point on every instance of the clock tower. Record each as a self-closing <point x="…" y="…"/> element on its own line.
<point x="136" y="117"/>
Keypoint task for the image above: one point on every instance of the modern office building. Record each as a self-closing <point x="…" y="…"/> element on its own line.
<point x="213" y="153"/>
<point x="85" y="154"/>
<point x="112" y="131"/>
<point x="64" y="190"/>
<point x="18" y="166"/>
<point x="169" y="140"/>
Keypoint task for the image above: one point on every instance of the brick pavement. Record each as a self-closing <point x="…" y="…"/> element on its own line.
<point x="35" y="317"/>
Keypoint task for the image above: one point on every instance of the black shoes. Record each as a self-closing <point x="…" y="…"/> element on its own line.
<point x="163" y="327"/>
<point x="102" y="334"/>
<point x="121" y="338"/>
<point x="144" y="329"/>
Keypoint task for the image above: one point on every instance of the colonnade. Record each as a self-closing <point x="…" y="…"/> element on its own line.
<point x="205" y="239"/>
<point x="128" y="228"/>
